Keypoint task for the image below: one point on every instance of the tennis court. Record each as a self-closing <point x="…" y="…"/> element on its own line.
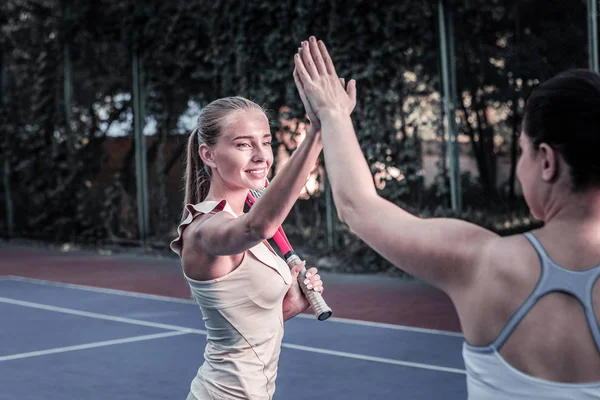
<point x="98" y="103"/>
<point x="71" y="341"/>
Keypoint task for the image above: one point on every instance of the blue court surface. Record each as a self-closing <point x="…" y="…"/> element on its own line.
<point x="60" y="341"/>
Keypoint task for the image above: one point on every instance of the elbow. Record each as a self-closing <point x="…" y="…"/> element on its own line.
<point x="261" y="231"/>
<point x="258" y="228"/>
<point x="346" y="208"/>
<point x="350" y="209"/>
<point x="342" y="218"/>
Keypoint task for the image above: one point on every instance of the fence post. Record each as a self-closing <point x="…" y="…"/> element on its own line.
<point x="8" y="203"/>
<point x="10" y="224"/>
<point x="592" y="25"/>
<point x="140" y="148"/>
<point x="330" y="216"/>
<point x="68" y="90"/>
<point x="449" y="94"/>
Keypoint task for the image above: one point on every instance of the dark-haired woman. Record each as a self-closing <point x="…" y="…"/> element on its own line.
<point x="528" y="304"/>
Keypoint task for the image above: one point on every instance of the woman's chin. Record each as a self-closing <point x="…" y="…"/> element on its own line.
<point x="256" y="182"/>
<point x="255" y="185"/>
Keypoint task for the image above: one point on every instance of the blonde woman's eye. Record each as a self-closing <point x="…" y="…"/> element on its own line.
<point x="243" y="145"/>
<point x="267" y="143"/>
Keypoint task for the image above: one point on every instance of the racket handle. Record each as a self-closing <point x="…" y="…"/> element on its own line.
<point x="321" y="310"/>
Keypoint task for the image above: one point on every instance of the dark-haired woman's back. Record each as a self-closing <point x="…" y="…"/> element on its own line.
<point x="530" y="326"/>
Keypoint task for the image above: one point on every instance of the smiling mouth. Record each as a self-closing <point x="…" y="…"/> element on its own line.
<point x="257" y="172"/>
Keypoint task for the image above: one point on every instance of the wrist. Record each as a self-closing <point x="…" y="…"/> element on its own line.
<point x="292" y="308"/>
<point x="314" y="136"/>
<point x="313" y="130"/>
<point x="330" y="114"/>
<point x="301" y="308"/>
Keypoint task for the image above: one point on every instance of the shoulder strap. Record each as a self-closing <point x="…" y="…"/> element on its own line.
<point x="531" y="299"/>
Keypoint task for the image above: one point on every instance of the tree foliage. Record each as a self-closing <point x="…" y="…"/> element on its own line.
<point x="54" y="134"/>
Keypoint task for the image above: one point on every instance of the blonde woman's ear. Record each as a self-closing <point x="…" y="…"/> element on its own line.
<point x="207" y="155"/>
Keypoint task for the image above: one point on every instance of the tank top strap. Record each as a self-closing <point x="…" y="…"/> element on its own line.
<point x="555" y="278"/>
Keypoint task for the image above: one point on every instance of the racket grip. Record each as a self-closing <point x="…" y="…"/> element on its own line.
<point x="320" y="308"/>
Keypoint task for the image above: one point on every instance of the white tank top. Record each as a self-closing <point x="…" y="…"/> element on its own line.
<point x="490" y="377"/>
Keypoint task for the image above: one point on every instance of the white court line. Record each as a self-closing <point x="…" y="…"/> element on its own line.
<point x="375" y="359"/>
<point x="389" y="326"/>
<point x="184" y="330"/>
<point x="100" y="316"/>
<point x="102" y="290"/>
<point x="91" y="345"/>
<point x="184" y="301"/>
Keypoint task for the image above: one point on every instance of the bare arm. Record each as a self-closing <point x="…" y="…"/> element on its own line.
<point x="222" y="234"/>
<point x="444" y="252"/>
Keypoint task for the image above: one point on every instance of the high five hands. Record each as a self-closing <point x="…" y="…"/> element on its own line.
<point x="319" y="85"/>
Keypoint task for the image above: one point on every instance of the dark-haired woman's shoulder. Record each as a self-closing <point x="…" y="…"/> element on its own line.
<point x="508" y="272"/>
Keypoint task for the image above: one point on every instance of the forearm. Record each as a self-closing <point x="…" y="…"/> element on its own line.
<point x="276" y="202"/>
<point x="347" y="169"/>
<point x="290" y="309"/>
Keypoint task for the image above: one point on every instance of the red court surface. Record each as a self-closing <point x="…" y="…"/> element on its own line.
<point x="371" y="298"/>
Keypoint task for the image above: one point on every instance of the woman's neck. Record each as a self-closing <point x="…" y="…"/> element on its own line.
<point x="235" y="198"/>
<point x="580" y="210"/>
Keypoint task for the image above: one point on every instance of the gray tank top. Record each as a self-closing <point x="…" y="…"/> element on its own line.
<point x="554" y="278"/>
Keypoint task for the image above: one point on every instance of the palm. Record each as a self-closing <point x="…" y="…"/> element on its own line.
<point x="310" y="113"/>
<point x="318" y="83"/>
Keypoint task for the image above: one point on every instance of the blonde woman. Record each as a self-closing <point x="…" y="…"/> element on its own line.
<point x="244" y="289"/>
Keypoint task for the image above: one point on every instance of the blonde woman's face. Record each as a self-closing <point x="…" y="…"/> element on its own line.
<point x="243" y="154"/>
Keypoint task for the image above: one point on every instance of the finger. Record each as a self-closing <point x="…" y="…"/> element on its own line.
<point x="299" y="85"/>
<point x="316" y="288"/>
<point x="316" y="55"/>
<point x="343" y="82"/>
<point x="313" y="284"/>
<point x="351" y="90"/>
<point x="311" y="277"/>
<point x="301" y="70"/>
<point x="311" y="271"/>
<point x="326" y="58"/>
<point x="297" y="81"/>
<point x="300" y="89"/>
<point x="295" y="271"/>
<point x="308" y="60"/>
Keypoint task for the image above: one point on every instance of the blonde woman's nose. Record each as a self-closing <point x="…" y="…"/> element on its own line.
<point x="259" y="154"/>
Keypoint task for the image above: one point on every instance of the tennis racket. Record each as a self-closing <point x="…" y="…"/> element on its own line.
<point x="320" y="308"/>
